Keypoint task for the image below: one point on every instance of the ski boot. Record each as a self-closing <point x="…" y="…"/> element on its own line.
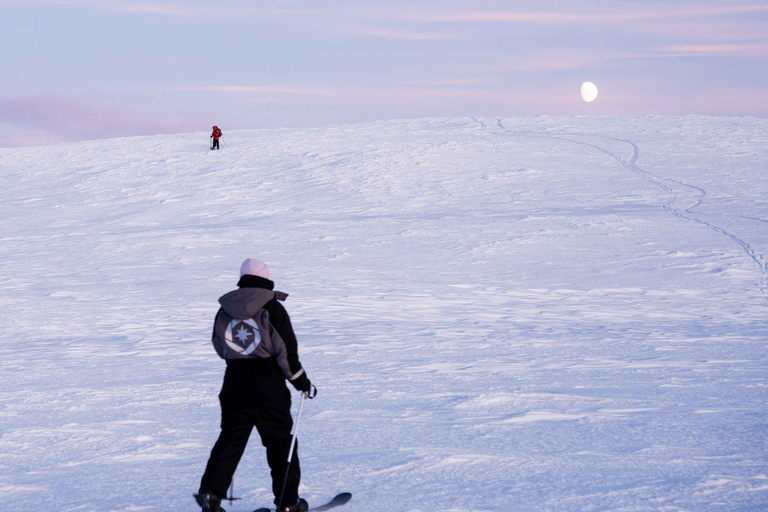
<point x="299" y="506"/>
<point x="208" y="501"/>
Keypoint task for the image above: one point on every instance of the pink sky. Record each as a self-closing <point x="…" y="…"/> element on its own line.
<point x="85" y="69"/>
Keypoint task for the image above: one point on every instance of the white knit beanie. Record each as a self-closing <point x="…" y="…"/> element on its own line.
<point x="254" y="267"/>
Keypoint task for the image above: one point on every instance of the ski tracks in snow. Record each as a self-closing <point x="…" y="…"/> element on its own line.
<point x="480" y="122"/>
<point x="667" y="185"/>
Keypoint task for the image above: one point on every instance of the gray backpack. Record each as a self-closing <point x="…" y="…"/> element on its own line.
<point x="242" y="329"/>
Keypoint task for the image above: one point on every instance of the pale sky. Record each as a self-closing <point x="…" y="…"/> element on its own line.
<point x="88" y="69"/>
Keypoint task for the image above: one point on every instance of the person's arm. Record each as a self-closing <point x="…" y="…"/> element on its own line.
<point x="281" y="322"/>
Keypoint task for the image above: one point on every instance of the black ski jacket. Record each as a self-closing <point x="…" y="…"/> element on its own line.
<point x="262" y="378"/>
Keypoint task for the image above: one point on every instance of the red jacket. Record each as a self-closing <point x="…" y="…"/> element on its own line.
<point x="216" y="133"/>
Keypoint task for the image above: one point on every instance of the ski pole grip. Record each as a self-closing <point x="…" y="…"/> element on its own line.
<point x="312" y="393"/>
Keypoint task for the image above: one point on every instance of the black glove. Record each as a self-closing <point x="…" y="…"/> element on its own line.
<point x="302" y="383"/>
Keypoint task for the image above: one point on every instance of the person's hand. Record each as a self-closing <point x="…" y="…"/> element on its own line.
<point x="302" y="383"/>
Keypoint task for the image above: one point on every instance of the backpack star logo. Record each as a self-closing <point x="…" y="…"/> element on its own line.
<point x="242" y="336"/>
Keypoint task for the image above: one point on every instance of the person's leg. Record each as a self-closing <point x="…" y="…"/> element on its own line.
<point x="236" y="427"/>
<point x="277" y="457"/>
<point x="274" y="423"/>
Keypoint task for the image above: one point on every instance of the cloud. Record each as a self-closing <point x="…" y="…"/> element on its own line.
<point x="438" y="82"/>
<point x="620" y="98"/>
<point x="64" y="119"/>
<point x="13" y="137"/>
<point x="176" y="9"/>
<point x="474" y="16"/>
<point x="710" y="29"/>
<point x="726" y="101"/>
<point x="404" y="95"/>
<point x="735" y="50"/>
<point x="387" y="33"/>
<point x="712" y="22"/>
<point x="562" y="60"/>
<point x="330" y="13"/>
<point x="165" y="9"/>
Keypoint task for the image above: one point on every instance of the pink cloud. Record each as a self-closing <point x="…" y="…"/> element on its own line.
<point x="705" y="29"/>
<point x="166" y="9"/>
<point x="396" y="34"/>
<point x="725" y="101"/>
<point x="12" y="137"/>
<point x="449" y="82"/>
<point x="182" y="9"/>
<point x="620" y="99"/>
<point x="742" y="50"/>
<point x="545" y="61"/>
<point x="691" y="20"/>
<point x="394" y="95"/>
<point x="559" y="61"/>
<point x="63" y="119"/>
<point x="580" y="18"/>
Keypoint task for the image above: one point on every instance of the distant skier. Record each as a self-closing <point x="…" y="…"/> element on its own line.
<point x="215" y="136"/>
<point x="253" y="333"/>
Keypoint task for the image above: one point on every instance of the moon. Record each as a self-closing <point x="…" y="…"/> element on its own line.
<point x="588" y="91"/>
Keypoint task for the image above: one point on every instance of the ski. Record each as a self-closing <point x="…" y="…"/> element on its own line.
<point x="337" y="501"/>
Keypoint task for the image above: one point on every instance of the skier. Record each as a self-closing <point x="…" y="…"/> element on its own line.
<point x="253" y="333"/>
<point x="215" y="136"/>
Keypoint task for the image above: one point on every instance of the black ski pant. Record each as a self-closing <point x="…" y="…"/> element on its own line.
<point x="215" y="144"/>
<point x="238" y="417"/>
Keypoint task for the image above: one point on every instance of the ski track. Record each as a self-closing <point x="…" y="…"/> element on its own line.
<point x="754" y="218"/>
<point x="497" y="319"/>
<point x="757" y="257"/>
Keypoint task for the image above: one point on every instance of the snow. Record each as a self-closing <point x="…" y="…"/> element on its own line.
<point x="549" y="313"/>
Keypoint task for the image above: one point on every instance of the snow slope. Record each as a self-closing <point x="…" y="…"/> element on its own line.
<point x="541" y="314"/>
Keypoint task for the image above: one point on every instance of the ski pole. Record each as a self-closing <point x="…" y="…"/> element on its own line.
<point x="293" y="444"/>
<point x="232" y="491"/>
<point x="290" y="452"/>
